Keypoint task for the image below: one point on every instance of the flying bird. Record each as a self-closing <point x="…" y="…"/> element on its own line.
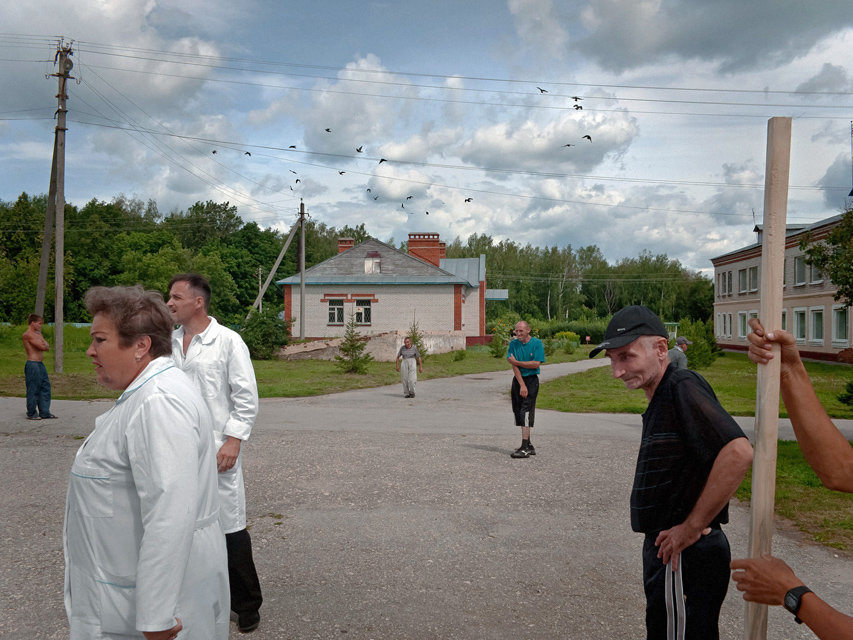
<point x="340" y="173"/>
<point x="403" y="205"/>
<point x="541" y="90"/>
<point x="327" y="130"/>
<point x="381" y="160"/>
<point x="376" y="197"/>
<point x="587" y="137"/>
<point x="292" y="171"/>
<point x="468" y="199"/>
<point x="409" y="197"/>
<point x="293" y="146"/>
<point x="368" y="189"/>
<point x="578" y="107"/>
<point x="298" y="181"/>
<point x="359" y="149"/>
<point x="427" y="212"/>
<point x="213" y="152"/>
<point x="246" y="153"/>
<point x="576" y="98"/>
<point x="568" y="145"/>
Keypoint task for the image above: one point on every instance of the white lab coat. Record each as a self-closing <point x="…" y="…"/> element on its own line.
<point x="142" y="539"/>
<point x="218" y="362"/>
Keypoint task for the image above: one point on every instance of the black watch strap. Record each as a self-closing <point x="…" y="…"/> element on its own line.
<point x="793" y="600"/>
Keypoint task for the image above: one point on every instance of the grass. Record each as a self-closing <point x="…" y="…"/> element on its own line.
<point x="822" y="514"/>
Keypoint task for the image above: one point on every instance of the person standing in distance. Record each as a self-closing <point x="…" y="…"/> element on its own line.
<point x="35" y="373"/>
<point x="692" y="458"/>
<point x="525" y="353"/>
<point x="409" y="364"/>
<point x="217" y="360"/>
<point x="677" y="354"/>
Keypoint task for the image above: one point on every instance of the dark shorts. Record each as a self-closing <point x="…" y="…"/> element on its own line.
<point x="527" y="405"/>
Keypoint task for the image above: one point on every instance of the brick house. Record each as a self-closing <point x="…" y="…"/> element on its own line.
<point x="387" y="289"/>
<point x="820" y="324"/>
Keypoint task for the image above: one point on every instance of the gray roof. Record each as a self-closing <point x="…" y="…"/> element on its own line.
<point x="472" y="269"/>
<point x="396" y="267"/>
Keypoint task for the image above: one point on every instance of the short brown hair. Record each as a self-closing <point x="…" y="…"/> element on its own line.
<point x="136" y="313"/>
<point x="197" y="282"/>
<point x="34" y="317"/>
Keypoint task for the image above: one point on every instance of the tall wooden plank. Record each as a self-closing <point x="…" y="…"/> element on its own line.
<point x="767" y="397"/>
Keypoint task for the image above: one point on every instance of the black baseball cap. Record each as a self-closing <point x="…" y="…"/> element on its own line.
<point x="627" y="325"/>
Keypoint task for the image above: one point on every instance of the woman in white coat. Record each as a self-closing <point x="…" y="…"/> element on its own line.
<point x="144" y="551"/>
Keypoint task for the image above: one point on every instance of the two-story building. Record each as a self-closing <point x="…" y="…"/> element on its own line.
<point x="810" y="312"/>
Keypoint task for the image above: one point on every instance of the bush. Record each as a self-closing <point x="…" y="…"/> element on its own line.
<point x="459" y="355"/>
<point x="500" y="338"/>
<point x="703" y="351"/>
<point x="264" y="332"/>
<point x="847" y="396"/>
<point x="353" y="359"/>
<point x="549" y="346"/>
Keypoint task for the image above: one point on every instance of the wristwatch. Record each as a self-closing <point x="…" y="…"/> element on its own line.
<point x="793" y="600"/>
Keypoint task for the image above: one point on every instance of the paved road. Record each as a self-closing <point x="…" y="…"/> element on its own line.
<point x="378" y="517"/>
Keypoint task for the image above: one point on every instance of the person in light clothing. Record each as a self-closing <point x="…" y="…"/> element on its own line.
<point x="144" y="551"/>
<point x="409" y="364"/>
<point x="217" y="361"/>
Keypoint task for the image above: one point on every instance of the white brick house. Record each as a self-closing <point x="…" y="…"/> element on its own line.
<point x="820" y="324"/>
<point x="387" y="289"/>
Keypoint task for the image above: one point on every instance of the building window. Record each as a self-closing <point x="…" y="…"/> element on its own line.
<point x="742" y="328"/>
<point x="816" y="325"/>
<point x="336" y="311"/>
<point x="371" y="265"/>
<point x="800" y="325"/>
<point x="815" y="275"/>
<point x="362" y="311"/>
<point x="741" y="281"/>
<point x="729" y="322"/>
<point x="840" y="325"/>
<point x="753" y="278"/>
<point x="784" y="320"/>
<point x="729" y="284"/>
<point x="799" y="270"/>
<point x="785" y="272"/>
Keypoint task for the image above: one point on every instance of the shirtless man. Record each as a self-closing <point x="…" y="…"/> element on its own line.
<point x="35" y="374"/>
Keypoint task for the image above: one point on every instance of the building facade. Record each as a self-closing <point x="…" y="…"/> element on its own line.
<point x="386" y="290"/>
<point x="820" y="324"/>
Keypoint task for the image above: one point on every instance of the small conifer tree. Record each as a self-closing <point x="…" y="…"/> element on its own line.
<point x="417" y="339"/>
<point x="353" y="358"/>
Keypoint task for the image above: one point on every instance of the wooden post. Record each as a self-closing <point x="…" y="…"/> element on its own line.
<point x="767" y="397"/>
<point x="65" y="66"/>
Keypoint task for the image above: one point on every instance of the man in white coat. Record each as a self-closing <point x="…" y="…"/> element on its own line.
<point x="217" y="360"/>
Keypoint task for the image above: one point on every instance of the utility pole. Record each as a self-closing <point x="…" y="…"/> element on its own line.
<point x="260" y="292"/>
<point x="47" y="237"/>
<point x="65" y="66"/>
<point x="302" y="270"/>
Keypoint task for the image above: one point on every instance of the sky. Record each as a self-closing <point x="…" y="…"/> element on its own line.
<point x="631" y="125"/>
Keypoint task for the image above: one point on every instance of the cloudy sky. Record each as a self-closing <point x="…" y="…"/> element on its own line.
<point x="628" y="124"/>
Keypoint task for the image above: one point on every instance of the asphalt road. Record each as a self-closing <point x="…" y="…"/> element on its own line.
<point x="378" y="517"/>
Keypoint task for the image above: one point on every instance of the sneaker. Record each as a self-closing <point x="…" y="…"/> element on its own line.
<point x="49" y="416"/>
<point x="521" y="452"/>
<point x="248" y="622"/>
<point x="33" y="417"/>
<point x="531" y="450"/>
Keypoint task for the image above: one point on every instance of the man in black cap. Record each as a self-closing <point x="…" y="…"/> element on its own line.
<point x="692" y="458"/>
<point x="677" y="354"/>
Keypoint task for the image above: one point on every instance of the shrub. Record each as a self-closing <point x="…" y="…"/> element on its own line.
<point x="847" y="396"/>
<point x="459" y="355"/>
<point x="417" y="338"/>
<point x="549" y="346"/>
<point x="703" y="351"/>
<point x="264" y="332"/>
<point x="353" y="359"/>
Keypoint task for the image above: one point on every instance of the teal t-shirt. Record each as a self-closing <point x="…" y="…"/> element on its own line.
<point x="533" y="350"/>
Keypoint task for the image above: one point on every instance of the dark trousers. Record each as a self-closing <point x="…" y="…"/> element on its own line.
<point x="38" y="389"/>
<point x="527" y="405"/>
<point x="705" y="572"/>
<point x="242" y="576"/>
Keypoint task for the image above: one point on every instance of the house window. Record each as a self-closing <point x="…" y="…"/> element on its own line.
<point x="816" y="275"/>
<point x="753" y="278"/>
<point x="729" y="283"/>
<point x="336" y="311"/>
<point x="742" y="327"/>
<point x="840" y="325"/>
<point x="784" y="320"/>
<point x="785" y="272"/>
<point x="362" y="311"/>
<point x="741" y="281"/>
<point x="371" y="265"/>
<point x="800" y="325"/>
<point x="799" y="270"/>
<point x="728" y="317"/>
<point x="816" y="325"/>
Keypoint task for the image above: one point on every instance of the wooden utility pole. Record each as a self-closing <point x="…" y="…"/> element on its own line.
<point x="302" y="271"/>
<point x="257" y="303"/>
<point x="767" y="398"/>
<point x="65" y="66"/>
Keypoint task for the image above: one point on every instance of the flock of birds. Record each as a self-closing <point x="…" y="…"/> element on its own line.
<point x="360" y="149"/>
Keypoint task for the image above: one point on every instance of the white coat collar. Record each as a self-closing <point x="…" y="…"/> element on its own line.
<point x="154" y="368"/>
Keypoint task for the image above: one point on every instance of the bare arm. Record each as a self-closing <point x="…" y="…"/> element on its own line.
<point x="768" y="579"/>
<point x="824" y="446"/>
<point x="726" y="475"/>
<point x="526" y="364"/>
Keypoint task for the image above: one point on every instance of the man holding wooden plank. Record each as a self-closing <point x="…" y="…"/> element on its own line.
<point x="768" y="580"/>
<point x="692" y="458"/>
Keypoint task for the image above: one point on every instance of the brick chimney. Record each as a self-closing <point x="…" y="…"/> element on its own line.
<point x="345" y="243"/>
<point x="427" y="247"/>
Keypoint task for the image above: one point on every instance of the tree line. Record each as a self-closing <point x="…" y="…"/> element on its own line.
<point x="128" y="241"/>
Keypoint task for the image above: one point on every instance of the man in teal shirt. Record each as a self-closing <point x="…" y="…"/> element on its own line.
<point x="525" y="354"/>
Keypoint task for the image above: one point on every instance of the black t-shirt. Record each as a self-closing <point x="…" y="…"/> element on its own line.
<point x="684" y="428"/>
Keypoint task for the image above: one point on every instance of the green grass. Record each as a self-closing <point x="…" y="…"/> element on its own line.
<point x="732" y="377"/>
<point x="826" y="516"/>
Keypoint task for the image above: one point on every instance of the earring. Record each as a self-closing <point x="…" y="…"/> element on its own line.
<point x="138" y="358"/>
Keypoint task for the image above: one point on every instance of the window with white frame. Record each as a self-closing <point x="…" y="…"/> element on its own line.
<point x="729" y="324"/>
<point x="785" y="272"/>
<point x="741" y="325"/>
<point x="840" y="325"/>
<point x="799" y="270"/>
<point x="815" y="274"/>
<point x="816" y="325"/>
<point x="372" y="263"/>
<point x="800" y="325"/>
<point x="753" y="278"/>
<point x="336" y="311"/>
<point x="362" y="311"/>
<point x="729" y="283"/>
<point x="741" y="280"/>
